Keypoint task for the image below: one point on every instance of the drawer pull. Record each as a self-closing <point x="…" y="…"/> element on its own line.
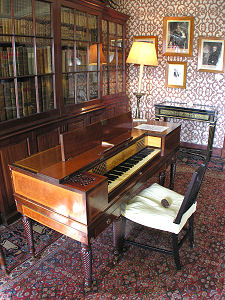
<point x="108" y="221"/>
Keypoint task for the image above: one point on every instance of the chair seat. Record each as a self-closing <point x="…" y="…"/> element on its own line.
<point x="146" y="209"/>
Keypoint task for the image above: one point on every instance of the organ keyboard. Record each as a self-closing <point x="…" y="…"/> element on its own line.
<point x="78" y="187"/>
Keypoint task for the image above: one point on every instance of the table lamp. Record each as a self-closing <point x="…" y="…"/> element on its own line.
<point x="142" y="53"/>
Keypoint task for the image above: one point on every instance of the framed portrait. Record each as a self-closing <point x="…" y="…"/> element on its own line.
<point x="211" y="56"/>
<point x="153" y="39"/>
<point x="178" y="36"/>
<point x="176" y="74"/>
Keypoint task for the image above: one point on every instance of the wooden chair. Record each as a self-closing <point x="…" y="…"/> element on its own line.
<point x="163" y="209"/>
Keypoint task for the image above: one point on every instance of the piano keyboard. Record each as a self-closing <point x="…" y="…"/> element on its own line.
<point x="127" y="168"/>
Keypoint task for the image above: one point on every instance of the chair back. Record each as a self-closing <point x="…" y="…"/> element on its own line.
<point x="192" y="192"/>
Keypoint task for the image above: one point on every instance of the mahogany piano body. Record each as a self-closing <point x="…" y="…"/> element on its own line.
<point x="66" y="187"/>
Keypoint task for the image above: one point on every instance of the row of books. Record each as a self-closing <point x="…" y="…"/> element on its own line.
<point x="26" y="98"/>
<point x="46" y="95"/>
<point x="67" y="18"/>
<point x="24" y="27"/>
<point x="7" y="101"/>
<point x="25" y="61"/>
<point x="44" y="60"/>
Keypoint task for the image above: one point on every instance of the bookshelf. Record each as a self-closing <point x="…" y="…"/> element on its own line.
<point x="62" y="67"/>
<point x="79" y="31"/>
<point x="26" y="72"/>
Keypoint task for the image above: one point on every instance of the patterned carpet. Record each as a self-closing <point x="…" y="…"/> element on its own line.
<point x="140" y="274"/>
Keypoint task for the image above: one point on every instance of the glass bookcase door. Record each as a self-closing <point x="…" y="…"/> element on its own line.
<point x="113" y="49"/>
<point x="44" y="62"/>
<point x="80" y="68"/>
<point x="26" y="70"/>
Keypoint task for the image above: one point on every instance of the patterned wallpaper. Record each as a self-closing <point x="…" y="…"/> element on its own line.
<point x="146" y="18"/>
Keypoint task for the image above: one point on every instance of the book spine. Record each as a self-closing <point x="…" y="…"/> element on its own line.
<point x="24" y="98"/>
<point x="2" y="103"/>
<point x="13" y="99"/>
<point x="8" y="101"/>
<point x="29" y="100"/>
<point x="5" y="65"/>
<point x="10" y="61"/>
<point x="33" y="97"/>
<point x="45" y="60"/>
<point x="19" y="61"/>
<point x="19" y="90"/>
<point x="49" y="59"/>
<point x="40" y="94"/>
<point x="25" y="61"/>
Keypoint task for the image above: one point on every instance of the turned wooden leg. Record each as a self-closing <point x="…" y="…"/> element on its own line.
<point x="162" y="177"/>
<point x="172" y="174"/>
<point x="86" y="256"/>
<point x="29" y="234"/>
<point x="191" y="231"/>
<point x="2" y="261"/>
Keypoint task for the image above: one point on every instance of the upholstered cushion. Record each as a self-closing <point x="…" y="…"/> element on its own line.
<point x="146" y="209"/>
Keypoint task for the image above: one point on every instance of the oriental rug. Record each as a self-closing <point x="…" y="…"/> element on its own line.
<point x="140" y="274"/>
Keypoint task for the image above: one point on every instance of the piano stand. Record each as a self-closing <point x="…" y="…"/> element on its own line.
<point x="27" y="223"/>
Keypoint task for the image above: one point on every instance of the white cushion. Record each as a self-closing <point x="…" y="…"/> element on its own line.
<point x="146" y="209"/>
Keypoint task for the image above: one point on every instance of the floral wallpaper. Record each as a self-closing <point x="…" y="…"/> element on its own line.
<point x="146" y="18"/>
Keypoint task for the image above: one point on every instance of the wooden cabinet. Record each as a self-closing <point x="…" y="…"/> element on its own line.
<point x="62" y="67"/>
<point x="26" y="52"/>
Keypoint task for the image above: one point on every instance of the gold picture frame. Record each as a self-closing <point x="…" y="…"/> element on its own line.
<point x="211" y="54"/>
<point x="176" y="74"/>
<point x="178" y="36"/>
<point x="153" y="39"/>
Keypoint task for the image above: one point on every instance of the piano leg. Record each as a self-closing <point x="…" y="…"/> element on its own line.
<point x="27" y="223"/>
<point x="86" y="256"/>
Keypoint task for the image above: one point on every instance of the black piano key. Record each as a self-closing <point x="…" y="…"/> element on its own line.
<point x="111" y="177"/>
<point x="122" y="168"/>
<point x="115" y="172"/>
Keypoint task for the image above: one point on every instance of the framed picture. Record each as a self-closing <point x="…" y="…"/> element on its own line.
<point x="211" y="57"/>
<point x="153" y="39"/>
<point x="178" y="36"/>
<point x="176" y="74"/>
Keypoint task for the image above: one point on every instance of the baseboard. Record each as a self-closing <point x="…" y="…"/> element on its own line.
<point x="223" y="150"/>
<point x="217" y="152"/>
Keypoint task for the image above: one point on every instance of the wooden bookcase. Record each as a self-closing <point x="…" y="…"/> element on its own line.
<point x="62" y="66"/>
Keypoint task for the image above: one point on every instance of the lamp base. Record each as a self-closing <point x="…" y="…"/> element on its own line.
<point x="138" y="96"/>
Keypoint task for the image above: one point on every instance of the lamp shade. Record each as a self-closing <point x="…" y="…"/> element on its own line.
<point x="93" y="57"/>
<point x="143" y="53"/>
